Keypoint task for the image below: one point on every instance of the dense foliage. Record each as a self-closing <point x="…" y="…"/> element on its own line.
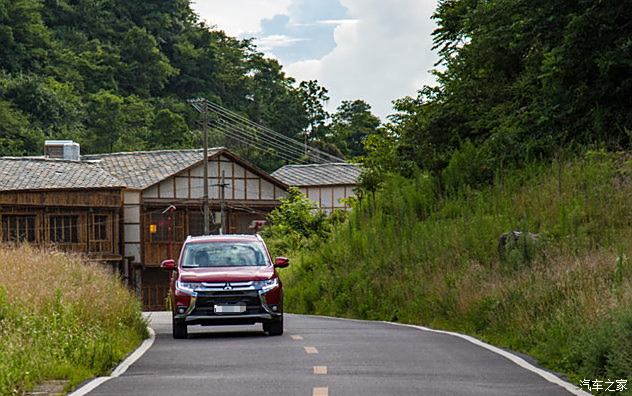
<point x="519" y="79"/>
<point x="296" y="223"/>
<point x="115" y="75"/>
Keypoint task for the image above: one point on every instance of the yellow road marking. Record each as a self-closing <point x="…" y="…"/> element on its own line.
<point x="296" y="337"/>
<point x="320" y="369"/>
<point x="320" y="392"/>
<point x="310" y="349"/>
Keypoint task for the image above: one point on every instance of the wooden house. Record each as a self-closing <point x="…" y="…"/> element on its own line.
<point x="328" y="185"/>
<point x="113" y="207"/>
<point x="73" y="205"/>
<point x="158" y="180"/>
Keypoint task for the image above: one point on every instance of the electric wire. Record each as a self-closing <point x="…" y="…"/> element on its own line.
<point x="243" y="119"/>
<point x="247" y="128"/>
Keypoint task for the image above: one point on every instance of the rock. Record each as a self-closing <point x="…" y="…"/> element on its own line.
<point x="510" y="240"/>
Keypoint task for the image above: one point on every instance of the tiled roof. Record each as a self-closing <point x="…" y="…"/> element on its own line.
<point x="142" y="169"/>
<point x="318" y="174"/>
<point x="24" y="173"/>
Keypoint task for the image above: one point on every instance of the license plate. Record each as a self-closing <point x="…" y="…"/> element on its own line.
<point x="230" y="308"/>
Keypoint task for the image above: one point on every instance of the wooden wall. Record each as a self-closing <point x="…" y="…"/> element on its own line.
<point x="246" y="190"/>
<point x="243" y="184"/>
<point x="87" y="208"/>
<point x="329" y="198"/>
<point x="81" y="198"/>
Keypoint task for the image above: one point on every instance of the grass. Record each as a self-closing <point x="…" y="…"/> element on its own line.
<point x="61" y="318"/>
<point x="414" y="255"/>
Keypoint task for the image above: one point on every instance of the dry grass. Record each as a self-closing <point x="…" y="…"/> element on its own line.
<point x="61" y="318"/>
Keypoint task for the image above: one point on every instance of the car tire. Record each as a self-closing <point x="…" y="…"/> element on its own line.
<point x="274" y="327"/>
<point x="179" y="329"/>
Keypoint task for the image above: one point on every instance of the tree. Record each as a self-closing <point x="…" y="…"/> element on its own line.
<point x="169" y="130"/>
<point x="16" y="136"/>
<point x="146" y="69"/>
<point x="314" y="98"/>
<point x="24" y="40"/>
<point x="352" y="123"/>
<point x="117" y="123"/>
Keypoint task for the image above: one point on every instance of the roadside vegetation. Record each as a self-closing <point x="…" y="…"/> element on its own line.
<point x="418" y="252"/>
<point x="61" y="318"/>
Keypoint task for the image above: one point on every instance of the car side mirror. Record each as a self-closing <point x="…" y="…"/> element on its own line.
<point x="281" y="262"/>
<point x="168" y="265"/>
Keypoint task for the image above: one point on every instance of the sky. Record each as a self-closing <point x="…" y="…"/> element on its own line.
<point x="373" y="50"/>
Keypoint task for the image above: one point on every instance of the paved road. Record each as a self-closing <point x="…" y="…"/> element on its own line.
<point x="320" y="356"/>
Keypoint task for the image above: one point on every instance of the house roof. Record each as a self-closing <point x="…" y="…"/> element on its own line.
<point x="141" y="169"/>
<point x="318" y="174"/>
<point x="32" y="173"/>
<point x="136" y="170"/>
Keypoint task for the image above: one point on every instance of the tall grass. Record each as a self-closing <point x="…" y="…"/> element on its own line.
<point x="414" y="254"/>
<point x="61" y="318"/>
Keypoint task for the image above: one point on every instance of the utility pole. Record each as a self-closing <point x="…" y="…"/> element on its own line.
<point x="207" y="211"/>
<point x="222" y="186"/>
<point x="169" y="211"/>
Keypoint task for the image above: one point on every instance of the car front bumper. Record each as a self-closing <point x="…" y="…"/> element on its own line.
<point x="258" y="308"/>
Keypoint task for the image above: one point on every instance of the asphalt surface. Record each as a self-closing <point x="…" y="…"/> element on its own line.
<point x="320" y="356"/>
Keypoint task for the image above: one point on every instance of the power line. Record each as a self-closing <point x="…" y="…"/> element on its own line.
<point x="280" y="144"/>
<point x="250" y="132"/>
<point x="239" y="118"/>
<point x="279" y="153"/>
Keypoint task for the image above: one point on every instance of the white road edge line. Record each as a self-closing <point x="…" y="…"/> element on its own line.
<point x="121" y="368"/>
<point x="514" y="358"/>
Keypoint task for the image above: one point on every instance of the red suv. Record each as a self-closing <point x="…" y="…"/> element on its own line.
<point x="225" y="280"/>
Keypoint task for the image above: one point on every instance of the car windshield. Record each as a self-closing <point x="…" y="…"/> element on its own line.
<point x="224" y="254"/>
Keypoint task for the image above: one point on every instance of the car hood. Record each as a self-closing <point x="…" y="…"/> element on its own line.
<point x="225" y="274"/>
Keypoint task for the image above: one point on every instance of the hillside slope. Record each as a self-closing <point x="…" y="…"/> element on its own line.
<point x="415" y="255"/>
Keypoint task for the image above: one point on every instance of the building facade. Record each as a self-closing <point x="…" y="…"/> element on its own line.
<point x="131" y="210"/>
<point x="72" y="206"/>
<point x="162" y="204"/>
<point x="327" y="185"/>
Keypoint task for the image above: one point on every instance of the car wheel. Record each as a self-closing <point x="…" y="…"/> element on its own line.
<point x="179" y="328"/>
<point x="274" y="327"/>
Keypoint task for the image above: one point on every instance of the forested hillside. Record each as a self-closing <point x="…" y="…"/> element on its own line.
<point x="115" y="75"/>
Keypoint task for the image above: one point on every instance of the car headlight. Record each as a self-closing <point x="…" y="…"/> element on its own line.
<point x="267" y="285"/>
<point x="188" y="287"/>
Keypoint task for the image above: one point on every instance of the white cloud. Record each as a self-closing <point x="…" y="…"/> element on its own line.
<point x="336" y="21"/>
<point x="382" y="48"/>
<point x="276" y="40"/>
<point x="383" y="56"/>
<point x="239" y="17"/>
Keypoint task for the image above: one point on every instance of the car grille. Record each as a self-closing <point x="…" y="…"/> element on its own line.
<point x="206" y="301"/>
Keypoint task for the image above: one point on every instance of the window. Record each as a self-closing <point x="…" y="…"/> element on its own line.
<point x="100" y="228"/>
<point x="64" y="229"/>
<point x="18" y="228"/>
<point x="225" y="254"/>
<point x="196" y="223"/>
<point x="158" y="228"/>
